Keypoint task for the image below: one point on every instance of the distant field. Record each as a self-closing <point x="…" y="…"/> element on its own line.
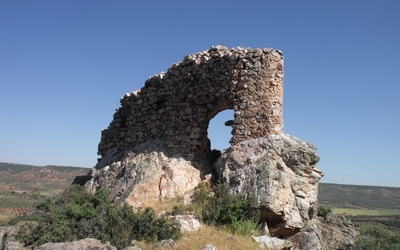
<point x="17" y="181"/>
<point x="352" y="198"/>
<point x="48" y="180"/>
<point x="13" y="204"/>
<point x="368" y="212"/>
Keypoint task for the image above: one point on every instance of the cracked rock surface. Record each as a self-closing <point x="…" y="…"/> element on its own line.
<point x="280" y="171"/>
<point x="144" y="175"/>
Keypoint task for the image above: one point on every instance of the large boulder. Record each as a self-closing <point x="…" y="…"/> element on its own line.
<point x="337" y="232"/>
<point x="8" y="241"/>
<point x="269" y="242"/>
<point x="309" y="237"/>
<point x="186" y="222"/>
<point x="280" y="172"/>
<point x="144" y="175"/>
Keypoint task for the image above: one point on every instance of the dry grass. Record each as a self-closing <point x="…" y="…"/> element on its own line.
<point x="4" y="219"/>
<point x="221" y="239"/>
<point x="166" y="205"/>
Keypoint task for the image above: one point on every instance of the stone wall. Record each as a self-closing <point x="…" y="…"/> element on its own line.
<point x="176" y="107"/>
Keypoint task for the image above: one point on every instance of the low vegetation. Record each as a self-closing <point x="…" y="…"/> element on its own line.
<point x="15" y="204"/>
<point x="323" y="211"/>
<point x="377" y="237"/>
<point x="391" y="222"/>
<point x="76" y="214"/>
<point x="21" y="186"/>
<point x="215" y="206"/>
<point x="219" y="237"/>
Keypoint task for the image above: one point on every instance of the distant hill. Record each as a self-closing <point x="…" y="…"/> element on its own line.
<point x="47" y="179"/>
<point x="12" y="167"/>
<point x="359" y="197"/>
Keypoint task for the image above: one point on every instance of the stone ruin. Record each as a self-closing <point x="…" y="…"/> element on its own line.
<point x="157" y="147"/>
<point x="176" y="107"/>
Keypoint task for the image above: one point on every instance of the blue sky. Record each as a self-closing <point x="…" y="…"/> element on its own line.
<point x="64" y="65"/>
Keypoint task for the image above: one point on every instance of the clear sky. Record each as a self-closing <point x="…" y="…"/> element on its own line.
<point x="64" y="65"/>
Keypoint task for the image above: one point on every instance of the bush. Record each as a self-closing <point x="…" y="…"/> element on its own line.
<point x="323" y="211"/>
<point x="374" y="237"/>
<point x="216" y="206"/>
<point x="76" y="214"/>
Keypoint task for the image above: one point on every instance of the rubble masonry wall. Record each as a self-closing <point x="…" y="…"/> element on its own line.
<point x="176" y="107"/>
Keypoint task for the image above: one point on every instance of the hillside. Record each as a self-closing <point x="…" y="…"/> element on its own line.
<point x="48" y="179"/>
<point x="22" y="185"/>
<point x="359" y="197"/>
<point x="6" y="167"/>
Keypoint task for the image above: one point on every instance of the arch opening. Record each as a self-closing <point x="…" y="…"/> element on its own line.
<point x="220" y="134"/>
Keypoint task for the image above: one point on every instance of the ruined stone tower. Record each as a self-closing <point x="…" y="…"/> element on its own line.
<point x="176" y="107"/>
<point x="157" y="145"/>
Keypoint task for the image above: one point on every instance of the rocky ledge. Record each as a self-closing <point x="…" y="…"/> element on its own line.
<point x="280" y="172"/>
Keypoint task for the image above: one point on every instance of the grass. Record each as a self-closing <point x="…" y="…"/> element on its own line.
<point x="4" y="219"/>
<point x="220" y="238"/>
<point x="166" y="205"/>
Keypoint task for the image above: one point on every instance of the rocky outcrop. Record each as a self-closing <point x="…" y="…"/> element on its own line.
<point x="280" y="171"/>
<point x="334" y="232"/>
<point x="337" y="232"/>
<point x="8" y="241"/>
<point x="309" y="237"/>
<point x="144" y="175"/>
<point x="269" y="242"/>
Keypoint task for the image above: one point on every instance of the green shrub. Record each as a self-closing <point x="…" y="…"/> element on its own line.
<point x="201" y="197"/>
<point x="323" y="211"/>
<point x="374" y="237"/>
<point x="76" y="214"/>
<point x="217" y="206"/>
<point x="245" y="227"/>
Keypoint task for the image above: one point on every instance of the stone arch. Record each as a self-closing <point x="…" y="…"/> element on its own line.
<point x="227" y="123"/>
<point x="175" y="107"/>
